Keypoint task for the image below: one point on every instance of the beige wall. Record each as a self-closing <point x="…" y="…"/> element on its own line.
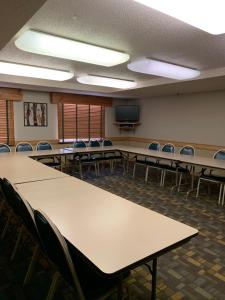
<point x="23" y="133"/>
<point x="196" y="118"/>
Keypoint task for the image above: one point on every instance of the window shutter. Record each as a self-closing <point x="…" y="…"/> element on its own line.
<point x="96" y="121"/>
<point x="80" y="122"/>
<point x="6" y="122"/>
<point x="83" y="122"/>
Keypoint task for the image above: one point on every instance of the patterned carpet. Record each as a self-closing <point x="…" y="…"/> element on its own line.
<point x="195" y="270"/>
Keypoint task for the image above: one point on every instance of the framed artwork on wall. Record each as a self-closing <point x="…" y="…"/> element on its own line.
<point x="35" y="114"/>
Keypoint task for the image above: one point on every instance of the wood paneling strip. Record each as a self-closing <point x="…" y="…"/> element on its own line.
<point x="80" y="99"/>
<point x="11" y="94"/>
<point x="162" y="142"/>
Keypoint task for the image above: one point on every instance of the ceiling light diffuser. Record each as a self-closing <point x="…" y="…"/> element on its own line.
<point x="35" y="72"/>
<point x="106" y="81"/>
<point x="159" y="68"/>
<point x="50" y="45"/>
<point x="207" y="15"/>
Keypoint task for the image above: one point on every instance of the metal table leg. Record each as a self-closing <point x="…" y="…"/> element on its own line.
<point x="153" y="271"/>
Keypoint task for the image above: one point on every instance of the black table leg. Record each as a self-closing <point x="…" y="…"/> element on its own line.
<point x="154" y="276"/>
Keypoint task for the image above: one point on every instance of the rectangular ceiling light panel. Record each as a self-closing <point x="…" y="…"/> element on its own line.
<point x="50" y="45"/>
<point x="163" y="69"/>
<point x="207" y="15"/>
<point x="7" y="68"/>
<point x="106" y="81"/>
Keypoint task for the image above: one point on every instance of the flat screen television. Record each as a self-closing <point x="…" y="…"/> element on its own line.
<point x="127" y="113"/>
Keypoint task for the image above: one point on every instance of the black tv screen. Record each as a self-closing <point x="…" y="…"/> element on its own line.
<point x="127" y="113"/>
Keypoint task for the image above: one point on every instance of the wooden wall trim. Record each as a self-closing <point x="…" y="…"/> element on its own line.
<point x="11" y="94"/>
<point x="162" y="142"/>
<point x="79" y="99"/>
<point x="143" y="141"/>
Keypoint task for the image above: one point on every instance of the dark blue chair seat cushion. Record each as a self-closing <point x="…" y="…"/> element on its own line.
<point x="213" y="178"/>
<point x="52" y="164"/>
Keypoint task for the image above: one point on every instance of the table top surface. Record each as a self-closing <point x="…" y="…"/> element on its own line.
<point x="19" y="168"/>
<point x="193" y="160"/>
<point x="112" y="232"/>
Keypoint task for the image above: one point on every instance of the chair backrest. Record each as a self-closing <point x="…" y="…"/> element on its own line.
<point x="8" y="191"/>
<point x="44" y="146"/>
<point x="20" y="206"/>
<point x="187" y="150"/>
<point x="107" y="143"/>
<point x="4" y="148"/>
<point x="220" y="154"/>
<point x="154" y="146"/>
<point x="168" y="148"/>
<point x="56" y="248"/>
<point x="94" y="143"/>
<point x="21" y="147"/>
<point x="80" y="144"/>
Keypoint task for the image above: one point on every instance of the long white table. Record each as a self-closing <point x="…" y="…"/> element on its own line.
<point x="192" y="160"/>
<point x="113" y="233"/>
<point x="20" y="168"/>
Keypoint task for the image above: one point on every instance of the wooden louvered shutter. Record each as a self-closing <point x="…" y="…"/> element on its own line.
<point x="60" y="123"/>
<point x="83" y="124"/>
<point x="6" y="122"/>
<point x="96" y="122"/>
<point x="70" y="121"/>
<point x="80" y="122"/>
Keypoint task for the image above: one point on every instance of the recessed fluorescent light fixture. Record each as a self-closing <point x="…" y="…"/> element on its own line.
<point x="106" y="81"/>
<point x="159" y="68"/>
<point x="50" y="45"/>
<point x="7" y="68"/>
<point x="207" y="15"/>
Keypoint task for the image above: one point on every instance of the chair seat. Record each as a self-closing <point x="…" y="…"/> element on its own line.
<point x="213" y="178"/>
<point x="52" y="164"/>
<point x="112" y="157"/>
<point x="174" y="169"/>
<point x="141" y="161"/>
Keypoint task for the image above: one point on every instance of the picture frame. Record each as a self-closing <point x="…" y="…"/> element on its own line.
<point x="35" y="114"/>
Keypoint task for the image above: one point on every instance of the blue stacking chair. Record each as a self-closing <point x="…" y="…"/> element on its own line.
<point x="4" y="148"/>
<point x="22" y="147"/>
<point x="146" y="161"/>
<point x="212" y="177"/>
<point x="113" y="156"/>
<point x="53" y="162"/>
<point x="166" y="165"/>
<point x="98" y="157"/>
<point x="178" y="169"/>
<point x="81" y="159"/>
<point x="82" y="277"/>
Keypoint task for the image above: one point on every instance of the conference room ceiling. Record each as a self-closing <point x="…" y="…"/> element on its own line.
<point x="14" y="14"/>
<point x="123" y="25"/>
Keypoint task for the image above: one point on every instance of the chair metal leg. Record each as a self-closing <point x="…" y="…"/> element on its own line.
<point x="220" y="194"/>
<point x="53" y="286"/>
<point x="17" y="243"/>
<point x="223" y="195"/>
<point x="179" y="183"/>
<point x="80" y="170"/>
<point x="134" y="169"/>
<point x="197" y="192"/>
<point x="146" y="174"/>
<point x="32" y="265"/>
<point x="96" y="165"/>
<point x="163" y="176"/>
